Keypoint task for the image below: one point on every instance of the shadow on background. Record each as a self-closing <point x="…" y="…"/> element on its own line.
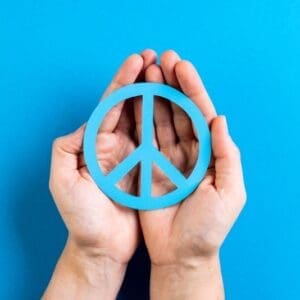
<point x="136" y="283"/>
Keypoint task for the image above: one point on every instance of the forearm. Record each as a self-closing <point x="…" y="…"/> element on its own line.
<point x="80" y="276"/>
<point x="202" y="280"/>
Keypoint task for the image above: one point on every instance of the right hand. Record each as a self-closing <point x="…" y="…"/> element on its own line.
<point x="94" y="222"/>
<point x="102" y="235"/>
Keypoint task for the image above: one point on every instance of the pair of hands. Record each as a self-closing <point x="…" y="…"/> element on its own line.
<point x="183" y="240"/>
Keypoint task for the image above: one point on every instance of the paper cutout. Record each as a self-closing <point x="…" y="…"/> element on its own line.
<point x="145" y="153"/>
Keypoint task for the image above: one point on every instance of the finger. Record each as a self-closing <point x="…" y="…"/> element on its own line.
<point x="65" y="153"/>
<point x="165" y="131"/>
<point x="149" y="57"/>
<point x="168" y="61"/>
<point x="126" y="123"/>
<point x="138" y="122"/>
<point x="159" y="221"/>
<point x="127" y="74"/>
<point x="191" y="84"/>
<point x="228" y="176"/>
<point x="182" y="122"/>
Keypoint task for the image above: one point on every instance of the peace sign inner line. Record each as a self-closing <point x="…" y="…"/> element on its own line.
<point x="146" y="158"/>
<point x="147" y="154"/>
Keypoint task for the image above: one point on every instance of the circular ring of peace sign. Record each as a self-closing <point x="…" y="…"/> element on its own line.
<point x="146" y="154"/>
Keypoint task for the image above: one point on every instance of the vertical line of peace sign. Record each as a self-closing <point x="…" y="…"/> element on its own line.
<point x="146" y="154"/>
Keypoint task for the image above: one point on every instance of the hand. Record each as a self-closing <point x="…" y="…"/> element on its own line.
<point x="184" y="240"/>
<point x="102" y="234"/>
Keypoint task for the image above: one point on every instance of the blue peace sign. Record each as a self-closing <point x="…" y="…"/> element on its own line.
<point x="146" y="154"/>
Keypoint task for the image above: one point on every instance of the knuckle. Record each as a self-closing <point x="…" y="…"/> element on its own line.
<point x="244" y="197"/>
<point x="51" y="185"/>
<point x="235" y="153"/>
<point x="57" y="142"/>
<point x="236" y="150"/>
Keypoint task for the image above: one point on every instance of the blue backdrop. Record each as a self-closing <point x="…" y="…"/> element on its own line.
<point x="56" y="57"/>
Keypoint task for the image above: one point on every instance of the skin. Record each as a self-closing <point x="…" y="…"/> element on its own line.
<point x="183" y="241"/>
<point x="102" y="234"/>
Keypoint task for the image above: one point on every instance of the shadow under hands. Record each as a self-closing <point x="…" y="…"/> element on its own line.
<point x="137" y="279"/>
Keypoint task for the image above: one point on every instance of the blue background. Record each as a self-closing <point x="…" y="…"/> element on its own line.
<point x="56" y="58"/>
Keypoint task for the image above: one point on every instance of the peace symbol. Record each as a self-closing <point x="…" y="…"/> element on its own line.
<point x="146" y="154"/>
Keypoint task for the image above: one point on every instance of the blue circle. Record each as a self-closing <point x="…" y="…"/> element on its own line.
<point x="147" y="202"/>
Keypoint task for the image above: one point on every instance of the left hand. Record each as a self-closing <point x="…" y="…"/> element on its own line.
<point x="185" y="235"/>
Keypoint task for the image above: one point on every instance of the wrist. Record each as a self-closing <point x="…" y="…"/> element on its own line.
<point x="194" y="279"/>
<point x="91" y="264"/>
<point x="85" y="273"/>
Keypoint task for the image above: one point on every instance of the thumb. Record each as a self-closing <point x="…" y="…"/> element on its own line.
<point x="229" y="177"/>
<point x="65" y="152"/>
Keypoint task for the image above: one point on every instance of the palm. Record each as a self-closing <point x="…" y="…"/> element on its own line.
<point x="91" y="217"/>
<point x="213" y="212"/>
<point x="199" y="224"/>
<point x="111" y="149"/>
<point x="90" y="214"/>
<point x="183" y="155"/>
<point x="95" y="210"/>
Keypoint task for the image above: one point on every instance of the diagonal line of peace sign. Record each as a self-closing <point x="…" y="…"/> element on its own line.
<point x="153" y="155"/>
<point x="146" y="154"/>
<point x="146" y="169"/>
